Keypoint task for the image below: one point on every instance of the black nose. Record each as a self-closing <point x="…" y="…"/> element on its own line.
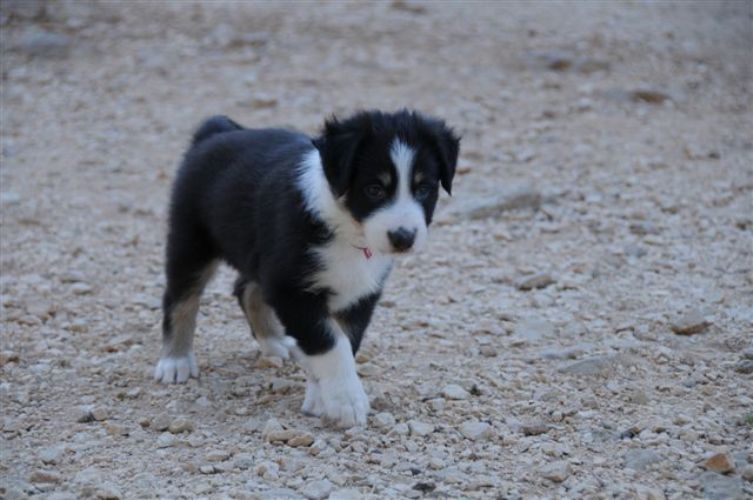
<point x="402" y="239"/>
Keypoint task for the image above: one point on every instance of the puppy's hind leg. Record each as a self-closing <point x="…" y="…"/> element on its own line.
<point x="188" y="271"/>
<point x="265" y="327"/>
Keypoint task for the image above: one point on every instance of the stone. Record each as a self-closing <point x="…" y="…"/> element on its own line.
<point x="534" y="428"/>
<point x="649" y="95"/>
<point x="317" y="490"/>
<point x="51" y="456"/>
<point x="45" y="44"/>
<point x="207" y="469"/>
<point x="161" y="422"/>
<point x="420" y="428"/>
<point x="720" y="462"/>
<point x="475" y="430"/>
<point x="640" y="460"/>
<point x="597" y="365"/>
<point x="301" y="439"/>
<point x="400" y="429"/>
<point x="44" y="476"/>
<point x="346" y="494"/>
<point x="271" y="426"/>
<point x="538" y="280"/>
<point x="166" y="440"/>
<point x="244" y="461"/>
<point x="217" y="456"/>
<point x="556" y="471"/>
<point x="747" y="473"/>
<point x="718" y="486"/>
<point x="531" y="331"/>
<point x="454" y="391"/>
<point x="8" y="357"/>
<point x="690" y="323"/>
<point x="181" y="424"/>
<point x="84" y="415"/>
<point x="744" y="366"/>
<point x="100" y="413"/>
<point x="81" y="289"/>
<point x="383" y="420"/>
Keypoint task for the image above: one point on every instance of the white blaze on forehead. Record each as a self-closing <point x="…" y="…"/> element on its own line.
<point x="402" y="156"/>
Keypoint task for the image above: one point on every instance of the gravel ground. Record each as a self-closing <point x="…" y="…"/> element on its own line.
<point x="581" y="324"/>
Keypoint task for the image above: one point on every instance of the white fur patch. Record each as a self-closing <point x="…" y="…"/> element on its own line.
<point x="345" y="269"/>
<point x="403" y="212"/>
<point x="176" y="369"/>
<point x="334" y="390"/>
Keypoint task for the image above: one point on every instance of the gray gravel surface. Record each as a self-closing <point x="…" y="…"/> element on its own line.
<point x="580" y="324"/>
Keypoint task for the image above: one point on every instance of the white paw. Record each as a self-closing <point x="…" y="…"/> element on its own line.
<point x="312" y="402"/>
<point x="344" y="401"/>
<point x="176" y="369"/>
<point x="276" y="346"/>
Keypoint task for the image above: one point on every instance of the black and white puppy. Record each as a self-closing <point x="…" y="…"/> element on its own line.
<point x="311" y="226"/>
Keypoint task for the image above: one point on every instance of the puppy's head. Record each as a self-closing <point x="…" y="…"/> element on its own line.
<point x="386" y="170"/>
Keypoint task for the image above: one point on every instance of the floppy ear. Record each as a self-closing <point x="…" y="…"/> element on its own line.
<point x="446" y="146"/>
<point x="338" y="146"/>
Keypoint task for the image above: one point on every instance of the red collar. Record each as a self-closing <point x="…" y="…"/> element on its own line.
<point x="366" y="251"/>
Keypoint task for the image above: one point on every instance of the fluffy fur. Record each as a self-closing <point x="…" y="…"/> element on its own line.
<point x="312" y="227"/>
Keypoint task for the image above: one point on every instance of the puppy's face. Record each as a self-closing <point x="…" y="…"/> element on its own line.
<point x="387" y="170"/>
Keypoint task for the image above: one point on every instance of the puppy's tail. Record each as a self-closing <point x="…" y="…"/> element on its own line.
<point x="214" y="125"/>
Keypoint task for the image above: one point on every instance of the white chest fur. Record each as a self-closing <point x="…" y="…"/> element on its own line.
<point x="347" y="272"/>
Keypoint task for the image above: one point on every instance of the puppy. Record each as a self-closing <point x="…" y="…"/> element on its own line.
<point x="312" y="227"/>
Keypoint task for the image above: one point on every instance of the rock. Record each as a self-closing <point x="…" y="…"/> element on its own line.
<point x="437" y="404"/>
<point x="107" y="491"/>
<point x="301" y="439"/>
<point x="404" y="6"/>
<point x="420" y="428"/>
<point x="517" y="198"/>
<point x="640" y="460"/>
<point x="531" y="331"/>
<point x="747" y="473"/>
<point x="244" y="461"/>
<point x="454" y="391"/>
<point x="317" y="490"/>
<point x="264" y="101"/>
<point x="8" y="357"/>
<point x="562" y="60"/>
<point x="475" y="430"/>
<point x="689" y="323"/>
<point x="267" y="470"/>
<point x="99" y="413"/>
<point x="207" y="469"/>
<point x="217" y="456"/>
<point x="271" y="426"/>
<point x="597" y="365"/>
<point x="51" y="456"/>
<point x="534" y="428"/>
<point x="649" y="493"/>
<point x="181" y="424"/>
<point x="166" y="440"/>
<point x="346" y="494"/>
<point x="748" y="353"/>
<point x="717" y="486"/>
<point x="81" y="289"/>
<point x="45" y="44"/>
<point x="400" y="429"/>
<point x="384" y="420"/>
<point x="720" y="462"/>
<point x="44" y="476"/>
<point x="556" y="471"/>
<point x="116" y="430"/>
<point x="648" y="95"/>
<point x="84" y="415"/>
<point x="161" y="422"/>
<point x="539" y="280"/>
<point x="744" y="366"/>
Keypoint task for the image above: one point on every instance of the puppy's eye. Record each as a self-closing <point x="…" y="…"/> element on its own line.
<point x="423" y="191"/>
<point x="375" y="191"/>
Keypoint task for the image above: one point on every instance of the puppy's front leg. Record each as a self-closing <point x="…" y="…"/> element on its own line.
<point x="323" y="349"/>
<point x="334" y="390"/>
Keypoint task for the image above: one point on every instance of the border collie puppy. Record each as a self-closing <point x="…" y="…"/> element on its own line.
<point x="312" y="227"/>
